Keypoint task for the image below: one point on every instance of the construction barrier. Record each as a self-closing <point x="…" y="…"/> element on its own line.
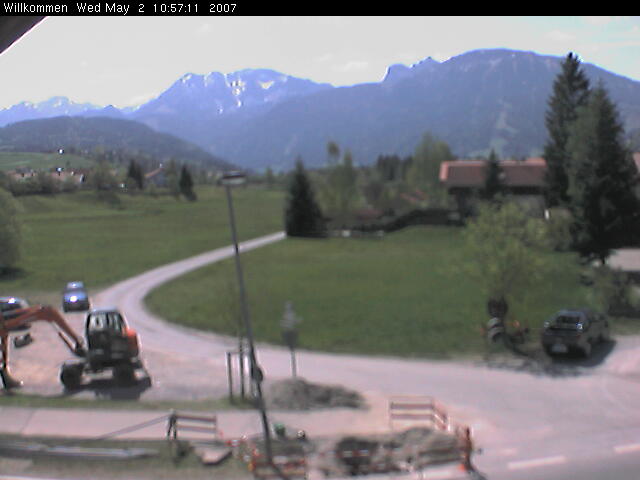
<point x="417" y="409"/>
<point x="204" y="424"/>
<point x="425" y="409"/>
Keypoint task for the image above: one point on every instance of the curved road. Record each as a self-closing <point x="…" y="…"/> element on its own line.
<point x="580" y="421"/>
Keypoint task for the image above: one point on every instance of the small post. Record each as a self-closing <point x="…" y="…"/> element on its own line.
<point x="230" y="377"/>
<point x="290" y="334"/>
<point x="294" y="368"/>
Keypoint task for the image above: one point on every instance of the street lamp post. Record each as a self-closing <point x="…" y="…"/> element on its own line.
<point x="229" y="180"/>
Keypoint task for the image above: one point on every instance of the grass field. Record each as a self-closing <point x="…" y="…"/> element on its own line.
<point x="405" y="294"/>
<point x="41" y="161"/>
<point x="11" y="399"/>
<point x="78" y="236"/>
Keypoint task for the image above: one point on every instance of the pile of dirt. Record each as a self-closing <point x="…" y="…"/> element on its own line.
<point x="298" y="394"/>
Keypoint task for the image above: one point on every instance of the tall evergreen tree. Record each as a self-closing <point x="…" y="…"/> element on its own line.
<point x="135" y="174"/>
<point x="493" y="184"/>
<point x="603" y="177"/>
<point x="186" y="184"/>
<point x="303" y="217"/>
<point x="570" y="92"/>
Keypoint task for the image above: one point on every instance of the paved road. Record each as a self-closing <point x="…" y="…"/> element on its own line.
<point x="580" y="417"/>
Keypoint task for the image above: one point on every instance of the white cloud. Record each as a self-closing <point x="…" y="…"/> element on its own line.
<point x="140" y="99"/>
<point x="327" y="57"/>
<point x="559" y="36"/>
<point x="353" y="66"/>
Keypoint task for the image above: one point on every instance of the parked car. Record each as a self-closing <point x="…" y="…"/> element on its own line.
<point x="8" y="304"/>
<point x="75" y="297"/>
<point x="574" y="330"/>
<point x="8" y="307"/>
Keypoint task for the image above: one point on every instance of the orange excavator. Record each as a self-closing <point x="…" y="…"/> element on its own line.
<point x="20" y="320"/>
<point x="110" y="344"/>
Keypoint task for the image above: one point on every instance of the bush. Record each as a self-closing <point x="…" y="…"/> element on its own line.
<point x="613" y="292"/>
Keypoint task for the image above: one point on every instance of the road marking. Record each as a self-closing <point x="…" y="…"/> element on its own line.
<point x="538" y="462"/>
<point x="633" y="447"/>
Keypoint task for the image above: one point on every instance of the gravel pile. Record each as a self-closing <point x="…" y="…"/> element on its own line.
<point x="298" y="394"/>
<point x="394" y="452"/>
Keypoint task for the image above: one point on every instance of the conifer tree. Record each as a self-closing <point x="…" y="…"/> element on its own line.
<point x="303" y="217"/>
<point x="186" y="184"/>
<point x="602" y="181"/>
<point x="493" y="184"/>
<point x="570" y="92"/>
<point x="135" y="173"/>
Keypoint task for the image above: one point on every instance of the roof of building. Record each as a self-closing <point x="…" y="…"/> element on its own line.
<point x="154" y="173"/>
<point x="471" y="173"/>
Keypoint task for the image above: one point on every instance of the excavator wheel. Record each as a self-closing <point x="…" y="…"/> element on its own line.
<point x="71" y="375"/>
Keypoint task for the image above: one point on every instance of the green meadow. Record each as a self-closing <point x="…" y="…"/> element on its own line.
<point x="407" y="294"/>
<point x="81" y="236"/>
<point x="41" y="161"/>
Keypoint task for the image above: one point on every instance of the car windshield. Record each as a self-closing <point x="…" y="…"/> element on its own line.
<point x="567" y="322"/>
<point x="77" y="293"/>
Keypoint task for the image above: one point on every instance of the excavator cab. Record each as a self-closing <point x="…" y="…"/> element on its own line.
<point x="108" y="339"/>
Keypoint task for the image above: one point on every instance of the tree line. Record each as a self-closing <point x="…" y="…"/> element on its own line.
<point x="333" y="195"/>
<point x="590" y="173"/>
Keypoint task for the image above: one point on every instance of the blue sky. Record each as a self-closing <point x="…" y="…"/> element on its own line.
<point x="128" y="60"/>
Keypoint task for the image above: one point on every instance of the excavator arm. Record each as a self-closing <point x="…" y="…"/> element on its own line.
<point x="25" y="317"/>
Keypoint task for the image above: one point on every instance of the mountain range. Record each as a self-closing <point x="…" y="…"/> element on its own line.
<point x="262" y="118"/>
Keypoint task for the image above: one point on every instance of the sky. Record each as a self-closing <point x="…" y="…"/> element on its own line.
<point x="127" y="61"/>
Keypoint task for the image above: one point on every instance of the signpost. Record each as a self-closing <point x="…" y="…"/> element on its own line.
<point x="290" y="334"/>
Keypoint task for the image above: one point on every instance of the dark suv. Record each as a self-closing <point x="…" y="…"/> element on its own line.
<point x="574" y="330"/>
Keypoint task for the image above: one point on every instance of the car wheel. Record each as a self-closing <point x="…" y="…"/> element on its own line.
<point x="606" y="335"/>
<point x="586" y="350"/>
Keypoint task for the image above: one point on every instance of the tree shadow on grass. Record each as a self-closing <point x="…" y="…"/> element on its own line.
<point x="10" y="274"/>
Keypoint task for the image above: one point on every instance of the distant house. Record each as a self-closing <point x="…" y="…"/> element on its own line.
<point x="157" y="177"/>
<point x="57" y="174"/>
<point x="465" y="179"/>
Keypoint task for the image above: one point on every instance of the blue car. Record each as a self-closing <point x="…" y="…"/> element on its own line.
<point x="75" y="297"/>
